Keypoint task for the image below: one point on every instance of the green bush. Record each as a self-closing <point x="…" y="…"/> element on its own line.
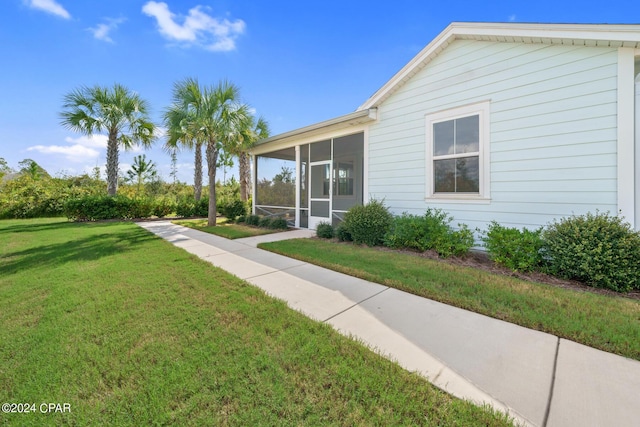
<point x="95" y="208"/>
<point x="188" y="207"/>
<point x="456" y="242"/>
<point x="324" y="230"/>
<point x="368" y="223"/>
<point x="201" y="207"/>
<point x="253" y="220"/>
<point x="342" y="233"/>
<point x="264" y="222"/>
<point x="598" y="249"/>
<point x="185" y="207"/>
<point x="429" y="231"/>
<point x="233" y="208"/>
<point x="163" y="207"/>
<point x="241" y="219"/>
<point x="519" y="250"/>
<point x="278" y="224"/>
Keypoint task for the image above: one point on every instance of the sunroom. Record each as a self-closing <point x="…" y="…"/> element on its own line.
<point x="313" y="174"/>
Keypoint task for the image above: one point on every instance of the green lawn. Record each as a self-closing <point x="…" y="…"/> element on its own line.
<point x="130" y="330"/>
<point x="224" y="229"/>
<point x="609" y="323"/>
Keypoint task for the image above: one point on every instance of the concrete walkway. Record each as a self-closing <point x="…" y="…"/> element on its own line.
<point x="538" y="378"/>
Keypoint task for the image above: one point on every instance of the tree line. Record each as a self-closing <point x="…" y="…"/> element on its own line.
<point x="209" y="117"/>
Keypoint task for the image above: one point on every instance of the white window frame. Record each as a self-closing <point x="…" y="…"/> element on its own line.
<point x="482" y="109"/>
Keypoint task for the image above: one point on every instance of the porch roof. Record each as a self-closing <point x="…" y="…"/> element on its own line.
<point x="289" y="139"/>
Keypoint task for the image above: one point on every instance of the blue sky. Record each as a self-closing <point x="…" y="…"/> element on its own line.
<point x="296" y="62"/>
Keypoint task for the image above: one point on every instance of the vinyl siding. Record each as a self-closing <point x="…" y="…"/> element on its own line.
<point x="553" y="131"/>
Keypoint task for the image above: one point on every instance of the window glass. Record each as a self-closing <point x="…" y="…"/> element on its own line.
<point x="467" y="175"/>
<point x="467" y="135"/>
<point x="445" y="175"/>
<point x="443" y="137"/>
<point x="457" y="172"/>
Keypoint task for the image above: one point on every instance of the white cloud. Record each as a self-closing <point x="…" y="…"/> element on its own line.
<point x="74" y="153"/>
<point x="49" y="6"/>
<point x="197" y="28"/>
<point x="512" y="18"/>
<point x="101" y="31"/>
<point x="93" y="141"/>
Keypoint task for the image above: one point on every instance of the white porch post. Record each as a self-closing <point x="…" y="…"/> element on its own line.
<point x="254" y="178"/>
<point x="626" y="151"/>
<point x="298" y="184"/>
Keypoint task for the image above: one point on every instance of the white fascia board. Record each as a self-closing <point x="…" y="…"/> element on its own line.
<point x="627" y="35"/>
<point x="619" y="33"/>
<point x="291" y="138"/>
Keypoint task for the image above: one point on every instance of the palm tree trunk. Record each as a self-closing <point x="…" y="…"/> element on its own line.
<point x="212" y="160"/>
<point x="245" y="176"/>
<point x="112" y="163"/>
<point x="197" y="175"/>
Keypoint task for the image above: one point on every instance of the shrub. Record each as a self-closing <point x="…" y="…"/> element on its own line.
<point x="241" y="218"/>
<point x="429" y="231"/>
<point x="163" y="207"/>
<point x="519" y="250"/>
<point x="324" y="230"/>
<point x="264" y="222"/>
<point x="456" y="242"/>
<point x="233" y="208"/>
<point x="601" y="250"/>
<point x="95" y="208"/>
<point x="368" y="223"/>
<point x="342" y="233"/>
<point x="278" y="224"/>
<point x="185" y="207"/>
<point x="201" y="207"/>
<point x="253" y="220"/>
<point x="188" y="207"/>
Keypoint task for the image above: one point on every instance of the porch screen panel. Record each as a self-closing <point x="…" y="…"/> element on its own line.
<point x="347" y="174"/>
<point x="276" y="179"/>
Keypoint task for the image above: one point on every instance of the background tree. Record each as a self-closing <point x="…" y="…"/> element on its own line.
<point x="251" y="130"/>
<point x="213" y="115"/>
<point x="142" y="170"/>
<point x="122" y="114"/>
<point x="33" y="169"/>
<point x="174" y="166"/>
<point x="225" y="160"/>
<point x="4" y="168"/>
<point x="179" y="119"/>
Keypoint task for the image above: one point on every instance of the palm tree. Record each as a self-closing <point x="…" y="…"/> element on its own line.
<point x="212" y="115"/>
<point x="142" y="170"/>
<point x="178" y="119"/>
<point x="249" y="132"/>
<point x="122" y="114"/>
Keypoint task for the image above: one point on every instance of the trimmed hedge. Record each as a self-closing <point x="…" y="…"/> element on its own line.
<point x="325" y="230"/>
<point x="598" y="249"/>
<point x="519" y="250"/>
<point x="95" y="208"/>
<point x="368" y="223"/>
<point x="429" y="231"/>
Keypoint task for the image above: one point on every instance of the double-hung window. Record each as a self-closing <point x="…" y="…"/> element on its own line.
<point x="457" y="153"/>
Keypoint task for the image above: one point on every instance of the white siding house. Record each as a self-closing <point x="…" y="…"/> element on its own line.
<point x="518" y="123"/>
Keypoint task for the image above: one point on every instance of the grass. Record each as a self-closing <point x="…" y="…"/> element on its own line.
<point x="225" y="229"/>
<point x="608" y="323"/>
<point x="130" y="330"/>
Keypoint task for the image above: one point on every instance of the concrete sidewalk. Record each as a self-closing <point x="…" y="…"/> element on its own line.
<point x="539" y="379"/>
